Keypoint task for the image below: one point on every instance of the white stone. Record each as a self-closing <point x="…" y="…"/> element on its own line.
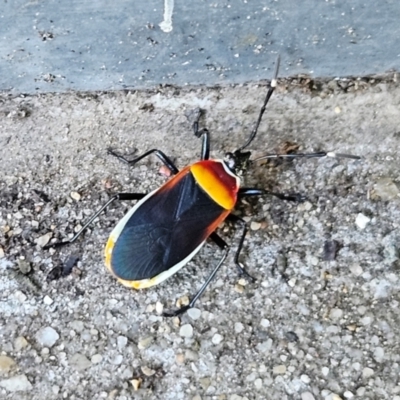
<point x="43" y="240"/>
<point x="47" y="336"/>
<point x="265" y="323"/>
<point x="47" y="300"/>
<point x="307" y="396"/>
<point x="325" y="371"/>
<point x="264" y="347"/>
<point x="362" y="220"/>
<point x="217" y="338"/>
<point x="379" y="354"/>
<point x="186" y="331"/>
<point x="194" y="313"/>
<point x="79" y="362"/>
<point x="238" y="327"/>
<point x="122" y="341"/>
<point x="279" y="369"/>
<point x="336" y="313"/>
<point x="96" y="358"/>
<point x="356" y="270"/>
<point x="18" y="383"/>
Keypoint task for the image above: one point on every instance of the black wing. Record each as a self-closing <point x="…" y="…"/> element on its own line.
<point x="165" y="229"/>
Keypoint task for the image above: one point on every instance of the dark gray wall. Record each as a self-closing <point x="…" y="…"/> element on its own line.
<point x="100" y="45"/>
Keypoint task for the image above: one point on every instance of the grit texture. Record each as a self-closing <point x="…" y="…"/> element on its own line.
<point x="321" y="321"/>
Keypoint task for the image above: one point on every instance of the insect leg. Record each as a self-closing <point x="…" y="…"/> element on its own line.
<point x="244" y="192"/>
<point x="205" y="147"/>
<point x="165" y="159"/>
<point x="118" y="196"/>
<point x="236" y="219"/>
<point x="203" y="288"/>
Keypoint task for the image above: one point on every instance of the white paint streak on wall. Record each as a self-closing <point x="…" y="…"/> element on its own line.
<point x="166" y="25"/>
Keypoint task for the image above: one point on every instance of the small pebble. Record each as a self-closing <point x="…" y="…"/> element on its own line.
<point x="356" y="270"/>
<point x="6" y="363"/>
<point x="191" y="355"/>
<point x="144" y="343"/>
<point x="292" y="282"/>
<point x="18" y="383"/>
<point x="182" y="301"/>
<point x="367" y="320"/>
<point x="333" y="396"/>
<point x="96" y="358"/>
<point x="20" y="343"/>
<point x="75" y="195"/>
<point x="307" y="396"/>
<point x="117" y="360"/>
<point x="351" y="327"/>
<point x="265" y="323"/>
<point x="379" y="354"/>
<point x="325" y="371"/>
<point x="24" y="266"/>
<point x="79" y="362"/>
<point x="305" y="378"/>
<point x="1" y="252"/>
<point x="43" y="240"/>
<point x="47" y="336"/>
<point x="258" y="383"/>
<point x="77" y="228"/>
<point x="362" y="390"/>
<point x="362" y="220"/>
<point x="238" y="327"/>
<point x="205" y="382"/>
<point x="217" y="338"/>
<point x="337" y="110"/>
<point x="314" y="260"/>
<point x="367" y="372"/>
<point x="47" y="300"/>
<point x="386" y="189"/>
<point x="239" y="288"/>
<point x="348" y="395"/>
<point x="20" y="296"/>
<point x="264" y="347"/>
<point x="307" y="205"/>
<point x="255" y="226"/>
<point x="279" y="369"/>
<point x="136" y="383"/>
<point x="242" y="282"/>
<point x="186" y="331"/>
<point x="159" y="308"/>
<point x="147" y="371"/>
<point x="150" y="308"/>
<point x="180" y="358"/>
<point x="194" y="313"/>
<point x="336" y="314"/>
<point x="122" y="341"/>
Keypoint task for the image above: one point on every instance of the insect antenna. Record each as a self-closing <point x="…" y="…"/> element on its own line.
<point x="267" y="97"/>
<point x="308" y="155"/>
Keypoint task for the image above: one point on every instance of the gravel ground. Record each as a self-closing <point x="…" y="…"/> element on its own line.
<point x="320" y="322"/>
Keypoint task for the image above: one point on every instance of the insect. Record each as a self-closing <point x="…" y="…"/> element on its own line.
<point x="167" y="227"/>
